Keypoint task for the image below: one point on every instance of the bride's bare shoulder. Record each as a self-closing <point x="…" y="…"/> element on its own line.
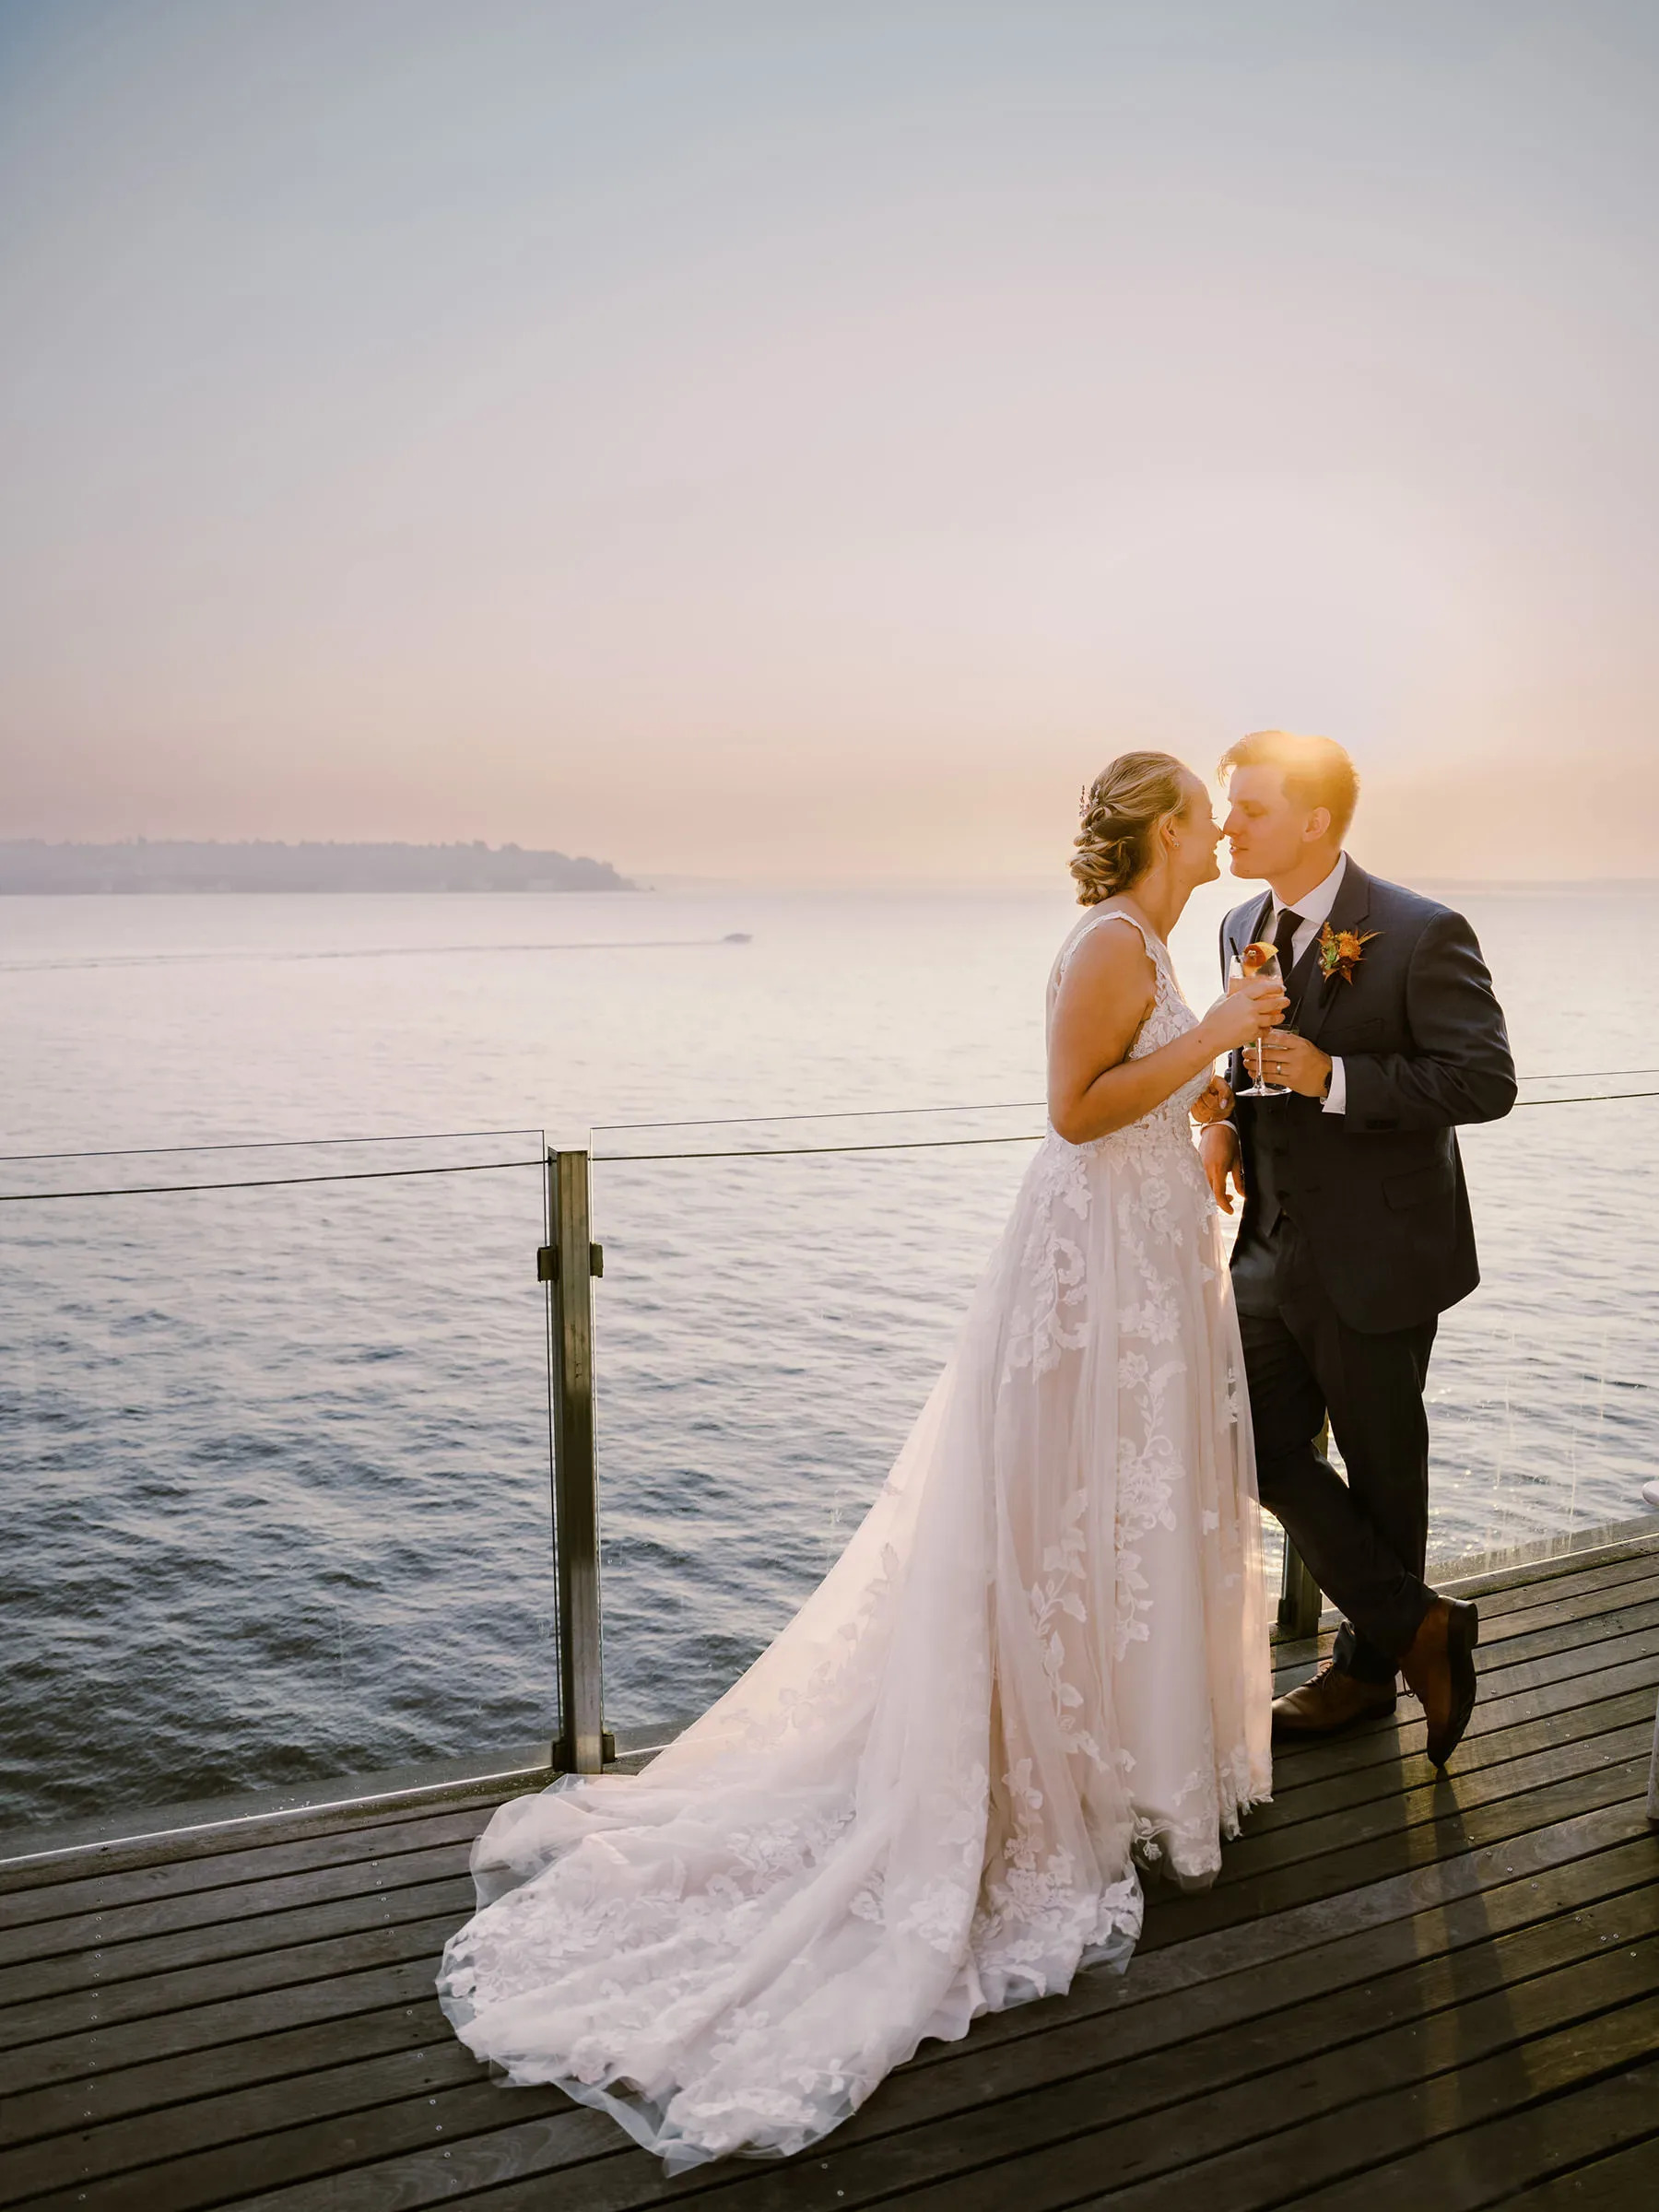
<point x="1096" y="956"/>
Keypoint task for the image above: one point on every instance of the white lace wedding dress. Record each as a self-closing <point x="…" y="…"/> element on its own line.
<point x="1042" y="1658"/>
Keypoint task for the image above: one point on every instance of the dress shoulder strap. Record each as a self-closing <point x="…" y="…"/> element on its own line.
<point x="1092" y="922"/>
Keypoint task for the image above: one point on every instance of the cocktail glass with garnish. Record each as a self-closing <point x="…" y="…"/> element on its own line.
<point x="1258" y="963"/>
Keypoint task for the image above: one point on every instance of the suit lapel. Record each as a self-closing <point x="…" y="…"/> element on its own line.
<point x="1318" y="995"/>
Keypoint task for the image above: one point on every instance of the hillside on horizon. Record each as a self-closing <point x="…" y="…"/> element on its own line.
<point x="31" y="864"/>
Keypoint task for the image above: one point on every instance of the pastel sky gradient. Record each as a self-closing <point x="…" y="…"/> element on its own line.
<point x="806" y="438"/>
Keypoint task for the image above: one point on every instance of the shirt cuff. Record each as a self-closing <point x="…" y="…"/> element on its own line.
<point x="1336" y="1097"/>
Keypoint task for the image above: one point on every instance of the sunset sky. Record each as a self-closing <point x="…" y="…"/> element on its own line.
<point x="805" y="438"/>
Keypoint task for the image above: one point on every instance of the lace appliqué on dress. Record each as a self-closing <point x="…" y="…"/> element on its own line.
<point x="1053" y="1315"/>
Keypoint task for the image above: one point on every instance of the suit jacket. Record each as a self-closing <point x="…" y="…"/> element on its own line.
<point x="1378" y="1190"/>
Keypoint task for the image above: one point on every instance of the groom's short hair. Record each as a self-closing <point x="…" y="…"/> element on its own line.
<point x="1317" y="771"/>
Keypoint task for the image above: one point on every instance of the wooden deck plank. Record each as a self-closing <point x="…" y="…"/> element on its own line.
<point x="1414" y="1847"/>
<point x="1352" y="1761"/>
<point x="1533" y="1721"/>
<point x="1630" y="1565"/>
<point x="1556" y="1678"/>
<point x="1406" y="1967"/>
<point x="95" y="2083"/>
<point x="1160" y="2160"/>
<point x="288" y="1945"/>
<point x="362" y="1879"/>
<point x="1625" y="2182"/>
<point x="81" y="1897"/>
<point x="993" y="2109"/>
<point x="47" y="1868"/>
<point x="1390" y="1741"/>
<point x="1637" y="1539"/>
<point x="305" y="2155"/>
<point x="145" y="2138"/>
<point x="1147" y="2119"/>
<point x="254" y="1934"/>
<point x="227" y="1980"/>
<point x="1488" y="2165"/>
<point x="1431" y="1802"/>
<point x="175" y="2081"/>
<point x="381" y="1926"/>
<point x="1633" y="1582"/>
<point x="1460" y="1900"/>
<point x="106" y="2047"/>
<point x="1369" y="2106"/>
<point x="1588" y="1902"/>
<point x="1182" y="1989"/>
<point x="1577" y="1638"/>
<point x="103" y="2053"/>
<point x="1484" y="1755"/>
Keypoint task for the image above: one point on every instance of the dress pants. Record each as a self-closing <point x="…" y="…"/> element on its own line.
<point x="1364" y="1540"/>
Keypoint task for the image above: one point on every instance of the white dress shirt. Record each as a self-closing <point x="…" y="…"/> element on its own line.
<point x="1314" y="907"/>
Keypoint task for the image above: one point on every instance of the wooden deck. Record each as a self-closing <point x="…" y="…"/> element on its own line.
<point x="1401" y="1995"/>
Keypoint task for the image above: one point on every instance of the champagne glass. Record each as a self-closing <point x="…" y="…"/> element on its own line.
<point x="1256" y="964"/>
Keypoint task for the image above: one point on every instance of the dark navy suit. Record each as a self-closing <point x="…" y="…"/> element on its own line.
<point x="1357" y="1236"/>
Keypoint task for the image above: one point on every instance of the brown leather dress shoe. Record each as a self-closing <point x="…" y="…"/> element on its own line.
<point x="1332" y="1699"/>
<point x="1439" y="1667"/>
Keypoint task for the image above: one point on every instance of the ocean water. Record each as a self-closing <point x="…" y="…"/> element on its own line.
<point x="274" y="1461"/>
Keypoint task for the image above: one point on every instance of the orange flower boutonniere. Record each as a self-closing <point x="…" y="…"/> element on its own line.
<point x="1341" y="951"/>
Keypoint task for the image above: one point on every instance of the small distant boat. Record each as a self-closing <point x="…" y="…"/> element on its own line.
<point x="737" y="936"/>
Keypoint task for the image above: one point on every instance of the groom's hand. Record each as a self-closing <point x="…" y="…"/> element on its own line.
<point x="1294" y="1062"/>
<point x="1219" y="1150"/>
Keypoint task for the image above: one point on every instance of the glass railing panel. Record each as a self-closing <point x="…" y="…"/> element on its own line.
<point x="766" y="1331"/>
<point x="1545" y="1416"/>
<point x="275" y="1470"/>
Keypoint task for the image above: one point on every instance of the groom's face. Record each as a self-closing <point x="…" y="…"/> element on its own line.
<point x="1269" y="836"/>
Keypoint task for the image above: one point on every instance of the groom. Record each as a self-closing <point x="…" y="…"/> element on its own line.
<point x="1356" y="1235"/>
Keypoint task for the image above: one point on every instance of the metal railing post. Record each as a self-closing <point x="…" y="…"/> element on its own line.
<point x="1298" y="1595"/>
<point x="567" y="1266"/>
<point x="1299" y="1605"/>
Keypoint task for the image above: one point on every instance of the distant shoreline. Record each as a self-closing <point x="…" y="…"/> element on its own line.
<point x="33" y="867"/>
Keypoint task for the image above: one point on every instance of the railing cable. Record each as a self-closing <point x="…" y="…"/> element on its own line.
<point x="492" y="1167"/>
<point x="831" y="1114"/>
<point x="1026" y="1136"/>
<point x="269" y="1144"/>
<point x="897" y="1144"/>
<point x="728" y="1121"/>
<point x="861" y="1113"/>
<point x="269" y="1182"/>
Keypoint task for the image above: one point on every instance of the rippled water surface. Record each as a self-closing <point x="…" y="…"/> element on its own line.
<point x="274" y="1461"/>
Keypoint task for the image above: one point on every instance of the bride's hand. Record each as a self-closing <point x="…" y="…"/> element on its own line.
<point x="1214" y="1102"/>
<point x="1248" y="1008"/>
<point x="1223" y="1163"/>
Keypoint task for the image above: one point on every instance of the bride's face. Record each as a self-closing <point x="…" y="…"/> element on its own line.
<point x="1196" y="834"/>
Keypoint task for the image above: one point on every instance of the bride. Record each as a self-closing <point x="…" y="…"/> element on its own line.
<point x="1040" y="1666"/>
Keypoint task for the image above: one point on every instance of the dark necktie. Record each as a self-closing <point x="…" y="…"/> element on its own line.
<point x="1290" y="921"/>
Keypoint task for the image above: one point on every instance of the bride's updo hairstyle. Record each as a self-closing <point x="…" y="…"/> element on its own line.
<point x="1120" y="810"/>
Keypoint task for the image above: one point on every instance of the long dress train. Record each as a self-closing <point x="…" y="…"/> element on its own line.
<point x="1041" y="1658"/>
